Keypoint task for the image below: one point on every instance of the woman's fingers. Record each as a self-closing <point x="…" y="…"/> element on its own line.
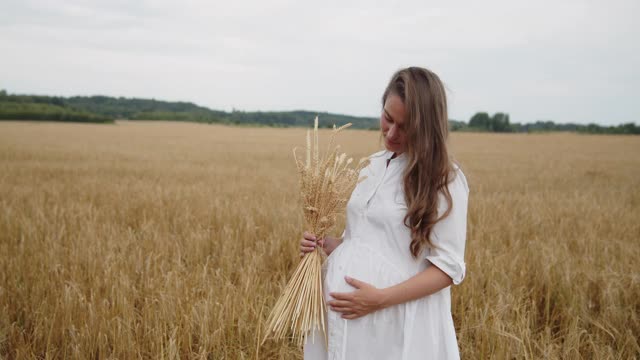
<point x="306" y="249"/>
<point x="342" y="296"/>
<point x="310" y="241"/>
<point x="344" y="310"/>
<point x="340" y="303"/>
<point x="307" y="243"/>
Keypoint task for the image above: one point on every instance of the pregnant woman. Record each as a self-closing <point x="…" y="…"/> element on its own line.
<point x="387" y="279"/>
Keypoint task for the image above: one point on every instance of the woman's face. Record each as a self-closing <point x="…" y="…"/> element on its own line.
<point x="392" y="122"/>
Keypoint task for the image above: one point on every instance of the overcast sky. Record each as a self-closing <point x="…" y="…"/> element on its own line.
<point x="566" y="61"/>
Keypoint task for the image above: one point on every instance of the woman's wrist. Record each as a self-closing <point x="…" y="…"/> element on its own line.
<point x="386" y="297"/>
<point x="338" y="242"/>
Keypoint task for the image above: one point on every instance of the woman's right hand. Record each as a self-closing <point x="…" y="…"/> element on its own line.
<point x="308" y="244"/>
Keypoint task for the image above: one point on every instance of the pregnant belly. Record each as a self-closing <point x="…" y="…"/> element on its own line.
<point x="365" y="264"/>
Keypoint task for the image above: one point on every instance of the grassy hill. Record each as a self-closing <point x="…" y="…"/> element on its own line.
<point x="107" y="108"/>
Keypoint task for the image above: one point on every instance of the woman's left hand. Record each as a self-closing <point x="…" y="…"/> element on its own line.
<point x="364" y="300"/>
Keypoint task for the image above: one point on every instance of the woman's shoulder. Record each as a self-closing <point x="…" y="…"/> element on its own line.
<point x="459" y="180"/>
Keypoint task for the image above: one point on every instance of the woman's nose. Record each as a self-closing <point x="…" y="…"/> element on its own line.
<point x="392" y="132"/>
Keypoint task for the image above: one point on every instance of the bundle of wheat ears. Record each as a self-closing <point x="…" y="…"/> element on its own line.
<point x="326" y="184"/>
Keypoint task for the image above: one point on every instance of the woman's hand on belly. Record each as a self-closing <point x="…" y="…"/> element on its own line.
<point x="364" y="300"/>
<point x="309" y="243"/>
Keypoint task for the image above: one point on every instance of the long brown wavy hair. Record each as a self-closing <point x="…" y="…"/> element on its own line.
<point x="429" y="168"/>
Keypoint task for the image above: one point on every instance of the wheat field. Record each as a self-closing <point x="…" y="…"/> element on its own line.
<point x="167" y="240"/>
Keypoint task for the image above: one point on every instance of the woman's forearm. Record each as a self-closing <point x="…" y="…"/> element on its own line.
<point x="427" y="282"/>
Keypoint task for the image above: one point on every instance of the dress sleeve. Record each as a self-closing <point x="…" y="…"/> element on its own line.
<point x="449" y="234"/>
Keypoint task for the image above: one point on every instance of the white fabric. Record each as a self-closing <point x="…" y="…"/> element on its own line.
<point x="376" y="250"/>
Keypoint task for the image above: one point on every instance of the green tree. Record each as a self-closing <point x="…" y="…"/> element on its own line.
<point x="480" y="120"/>
<point x="500" y="123"/>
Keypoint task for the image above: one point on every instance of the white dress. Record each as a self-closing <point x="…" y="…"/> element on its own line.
<point x="375" y="249"/>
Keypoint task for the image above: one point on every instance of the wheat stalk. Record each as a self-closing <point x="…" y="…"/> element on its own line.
<point x="326" y="182"/>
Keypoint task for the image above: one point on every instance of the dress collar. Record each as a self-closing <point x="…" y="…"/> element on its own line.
<point x="399" y="160"/>
<point x="388" y="154"/>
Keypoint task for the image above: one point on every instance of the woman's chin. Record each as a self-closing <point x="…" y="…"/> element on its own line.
<point x="392" y="147"/>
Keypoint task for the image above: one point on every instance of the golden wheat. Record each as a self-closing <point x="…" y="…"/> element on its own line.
<point x="173" y="240"/>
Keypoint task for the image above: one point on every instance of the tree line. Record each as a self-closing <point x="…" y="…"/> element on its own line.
<point x="21" y="107"/>
<point x="499" y="122"/>
<point x="105" y="109"/>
